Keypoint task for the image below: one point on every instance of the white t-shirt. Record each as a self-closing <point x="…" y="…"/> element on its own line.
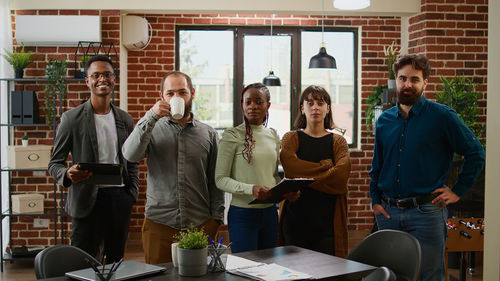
<point x="107" y="139"/>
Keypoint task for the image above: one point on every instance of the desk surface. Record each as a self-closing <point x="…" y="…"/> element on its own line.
<point x="318" y="265"/>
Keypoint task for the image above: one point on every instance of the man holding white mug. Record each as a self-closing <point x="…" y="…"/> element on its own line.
<point x="181" y="154"/>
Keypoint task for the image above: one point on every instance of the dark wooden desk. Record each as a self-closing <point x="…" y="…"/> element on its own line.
<point x="318" y="265"/>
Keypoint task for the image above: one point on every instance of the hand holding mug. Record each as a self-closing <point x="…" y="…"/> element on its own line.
<point x="161" y="108"/>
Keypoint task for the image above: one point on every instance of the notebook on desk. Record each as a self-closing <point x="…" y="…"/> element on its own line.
<point x="127" y="270"/>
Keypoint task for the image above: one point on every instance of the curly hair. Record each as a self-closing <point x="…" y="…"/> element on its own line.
<point x="249" y="141"/>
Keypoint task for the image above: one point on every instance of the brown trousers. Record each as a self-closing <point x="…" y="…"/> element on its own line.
<point x="157" y="239"/>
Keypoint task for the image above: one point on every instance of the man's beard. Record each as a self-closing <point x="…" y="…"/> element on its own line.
<point x="187" y="107"/>
<point x="409" y="99"/>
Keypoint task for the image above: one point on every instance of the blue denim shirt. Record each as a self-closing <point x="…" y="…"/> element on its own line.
<point x="413" y="156"/>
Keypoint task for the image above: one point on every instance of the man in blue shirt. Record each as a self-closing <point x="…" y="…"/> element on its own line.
<point x="414" y="146"/>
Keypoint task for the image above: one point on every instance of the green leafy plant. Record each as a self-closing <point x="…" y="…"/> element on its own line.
<point x="54" y="88"/>
<point x="83" y="60"/>
<point x="460" y="94"/>
<point x="374" y="100"/>
<point x="192" y="238"/>
<point x="391" y="54"/>
<point x="25" y="137"/>
<point x="18" y="60"/>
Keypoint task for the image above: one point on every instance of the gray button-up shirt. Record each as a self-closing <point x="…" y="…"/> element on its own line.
<point x="181" y="189"/>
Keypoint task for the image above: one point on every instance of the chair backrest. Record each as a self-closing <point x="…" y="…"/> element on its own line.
<point x="381" y="274"/>
<point x="57" y="260"/>
<point x="397" y="250"/>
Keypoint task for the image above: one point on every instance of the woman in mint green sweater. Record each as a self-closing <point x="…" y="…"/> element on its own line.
<point x="247" y="166"/>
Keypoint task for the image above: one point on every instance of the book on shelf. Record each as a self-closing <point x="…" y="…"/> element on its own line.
<point x="261" y="271"/>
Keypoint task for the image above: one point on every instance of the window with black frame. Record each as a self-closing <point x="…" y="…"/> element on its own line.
<point x="221" y="60"/>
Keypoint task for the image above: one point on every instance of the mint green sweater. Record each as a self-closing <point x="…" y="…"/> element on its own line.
<point x="235" y="175"/>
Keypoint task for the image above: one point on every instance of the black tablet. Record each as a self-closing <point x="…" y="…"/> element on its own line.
<point x="103" y="173"/>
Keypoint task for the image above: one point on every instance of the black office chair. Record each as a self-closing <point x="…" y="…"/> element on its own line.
<point x="397" y="250"/>
<point x="380" y="274"/>
<point x="59" y="259"/>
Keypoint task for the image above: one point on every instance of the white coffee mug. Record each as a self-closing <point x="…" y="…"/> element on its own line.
<point x="174" y="254"/>
<point x="177" y="107"/>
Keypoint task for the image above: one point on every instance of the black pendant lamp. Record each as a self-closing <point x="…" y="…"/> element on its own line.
<point x="323" y="59"/>
<point x="271" y="79"/>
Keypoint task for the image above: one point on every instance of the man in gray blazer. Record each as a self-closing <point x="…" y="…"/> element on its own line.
<point x="94" y="132"/>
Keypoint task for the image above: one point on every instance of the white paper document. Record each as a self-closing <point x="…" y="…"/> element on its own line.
<point x="234" y="262"/>
<point x="261" y="271"/>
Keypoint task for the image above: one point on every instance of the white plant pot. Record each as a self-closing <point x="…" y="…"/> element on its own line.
<point x="24" y="142"/>
<point x="192" y="262"/>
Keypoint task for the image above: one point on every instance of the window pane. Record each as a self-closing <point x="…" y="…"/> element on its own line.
<point x="257" y="63"/>
<point x="211" y="69"/>
<point x="338" y="82"/>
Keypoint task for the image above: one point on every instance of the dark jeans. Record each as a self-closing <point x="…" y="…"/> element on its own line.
<point x="427" y="223"/>
<point x="105" y="229"/>
<point x="252" y="229"/>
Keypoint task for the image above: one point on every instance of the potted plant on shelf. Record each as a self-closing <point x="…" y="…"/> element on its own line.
<point x="192" y="252"/>
<point x="54" y="88"/>
<point x="391" y="53"/>
<point x="373" y="111"/>
<point x="460" y="94"/>
<point x="18" y="60"/>
<point x="81" y="73"/>
<point x="24" y="140"/>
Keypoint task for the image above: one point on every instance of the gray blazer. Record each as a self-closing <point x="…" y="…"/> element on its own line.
<point x="76" y="134"/>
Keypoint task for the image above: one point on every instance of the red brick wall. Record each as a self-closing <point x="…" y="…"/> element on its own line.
<point x="453" y="34"/>
<point x="145" y="69"/>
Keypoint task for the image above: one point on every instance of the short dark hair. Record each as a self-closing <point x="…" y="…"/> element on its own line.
<point x="98" y="58"/>
<point x="188" y="80"/>
<point x="418" y="61"/>
<point x="318" y="93"/>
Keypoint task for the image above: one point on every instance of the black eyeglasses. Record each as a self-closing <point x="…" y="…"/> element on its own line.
<point x="106" y="75"/>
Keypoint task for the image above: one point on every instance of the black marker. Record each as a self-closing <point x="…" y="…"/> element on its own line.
<point x="92" y="265"/>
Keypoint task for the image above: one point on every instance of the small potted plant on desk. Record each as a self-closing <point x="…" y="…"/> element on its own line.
<point x="18" y="60"/>
<point x="192" y="252"/>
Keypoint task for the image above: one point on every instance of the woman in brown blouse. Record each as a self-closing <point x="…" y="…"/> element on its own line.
<point x="317" y="217"/>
